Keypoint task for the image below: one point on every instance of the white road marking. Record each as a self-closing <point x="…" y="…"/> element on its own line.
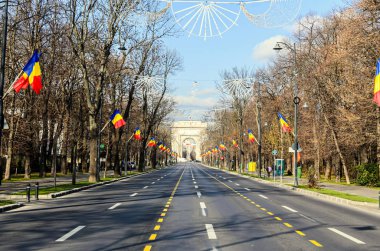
<point x="263" y="196"/>
<point x="199" y="194"/>
<point x="210" y="232"/>
<point x="133" y="195"/>
<point x="229" y="180"/>
<point x="153" y="182"/>
<point x="162" y="177"/>
<point x="203" y="205"/>
<point x="237" y="184"/>
<point x="247" y="189"/>
<point x="196" y="187"/>
<point x="145" y="187"/>
<point x="224" y="178"/>
<point x="195" y="182"/>
<point x="346" y="236"/>
<point x="290" y="209"/>
<point x="158" y="179"/>
<point x="310" y="219"/>
<point x="71" y="233"/>
<point x="114" y="206"/>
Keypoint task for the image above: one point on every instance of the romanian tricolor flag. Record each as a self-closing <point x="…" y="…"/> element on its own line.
<point x="152" y="142"/>
<point x="376" y="91"/>
<point x="30" y="75"/>
<point x="251" y="138"/>
<point x="160" y="145"/>
<point x="284" y="124"/>
<point x="235" y="144"/>
<point x="222" y="147"/>
<point x="116" y="119"/>
<point x="137" y="134"/>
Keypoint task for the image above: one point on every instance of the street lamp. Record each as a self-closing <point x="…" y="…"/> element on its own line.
<point x="296" y="101"/>
<point x="2" y="75"/>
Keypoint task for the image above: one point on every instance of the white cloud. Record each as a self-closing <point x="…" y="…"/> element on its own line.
<point x="264" y="51"/>
<point x="193" y="101"/>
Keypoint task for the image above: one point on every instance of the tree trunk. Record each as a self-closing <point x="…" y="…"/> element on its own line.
<point x="27" y="167"/>
<point x="328" y="168"/>
<point x="338" y="150"/>
<point x="317" y="152"/>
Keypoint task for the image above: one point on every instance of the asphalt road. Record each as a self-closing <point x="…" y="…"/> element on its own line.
<point x="187" y="207"/>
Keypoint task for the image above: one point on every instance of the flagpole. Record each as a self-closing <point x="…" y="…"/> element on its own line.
<point x="104" y="127"/>
<point x="2" y="74"/>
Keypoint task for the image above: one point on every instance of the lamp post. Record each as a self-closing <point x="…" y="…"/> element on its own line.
<point x="258" y="107"/>
<point x="296" y="101"/>
<point x="2" y="77"/>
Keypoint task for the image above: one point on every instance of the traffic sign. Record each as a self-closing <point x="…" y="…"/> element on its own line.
<point x="274" y="152"/>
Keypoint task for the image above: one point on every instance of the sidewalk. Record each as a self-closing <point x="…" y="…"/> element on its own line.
<point x="288" y="181"/>
<point x="8" y="188"/>
<point x="368" y="192"/>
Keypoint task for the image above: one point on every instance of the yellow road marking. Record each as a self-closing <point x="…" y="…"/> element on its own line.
<point x="278" y="218"/>
<point x="270" y="213"/>
<point x="163" y="214"/>
<point x="166" y="205"/>
<point x="300" y="233"/>
<point x="316" y="243"/>
<point x="157" y="227"/>
<point x="160" y="220"/>
<point x="263" y="209"/>
<point x="287" y="224"/>
<point x="152" y="237"/>
<point x="148" y="248"/>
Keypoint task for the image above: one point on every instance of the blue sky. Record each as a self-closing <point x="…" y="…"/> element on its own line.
<point x="244" y="45"/>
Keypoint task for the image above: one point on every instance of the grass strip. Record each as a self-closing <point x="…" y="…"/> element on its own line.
<point x="338" y="194"/>
<point x="6" y="202"/>
<point x="58" y="188"/>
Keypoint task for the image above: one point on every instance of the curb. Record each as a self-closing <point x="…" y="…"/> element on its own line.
<point x="78" y="189"/>
<point x="10" y="207"/>
<point x="337" y="200"/>
<point x="74" y="190"/>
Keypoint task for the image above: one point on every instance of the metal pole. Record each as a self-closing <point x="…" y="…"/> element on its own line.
<point x="296" y="101"/>
<point x="2" y="77"/>
<point x="98" y="140"/>
<point x="259" y="128"/>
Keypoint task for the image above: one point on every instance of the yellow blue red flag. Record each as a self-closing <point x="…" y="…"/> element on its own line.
<point x="30" y="75"/>
<point x="376" y="91"/>
<point x="116" y="119"/>
<point x="284" y="124"/>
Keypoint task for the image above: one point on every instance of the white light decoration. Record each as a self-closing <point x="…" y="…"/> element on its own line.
<point x="241" y="88"/>
<point x="209" y="19"/>
<point x="152" y="84"/>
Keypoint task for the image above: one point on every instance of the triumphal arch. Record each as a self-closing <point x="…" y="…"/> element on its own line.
<point x="187" y="138"/>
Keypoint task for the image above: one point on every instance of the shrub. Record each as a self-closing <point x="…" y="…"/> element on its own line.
<point x="367" y="174"/>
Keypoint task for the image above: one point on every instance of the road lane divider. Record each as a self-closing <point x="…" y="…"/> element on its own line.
<point x="357" y="241"/>
<point x="133" y="195"/>
<point x="314" y="242"/>
<point x="157" y="227"/>
<point x="290" y="209"/>
<point x="199" y="194"/>
<point x="263" y="196"/>
<point x="247" y="189"/>
<point x="196" y="187"/>
<point x="203" y="207"/>
<point x="145" y="187"/>
<point x="71" y="233"/>
<point x="114" y="206"/>
<point x="210" y="232"/>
